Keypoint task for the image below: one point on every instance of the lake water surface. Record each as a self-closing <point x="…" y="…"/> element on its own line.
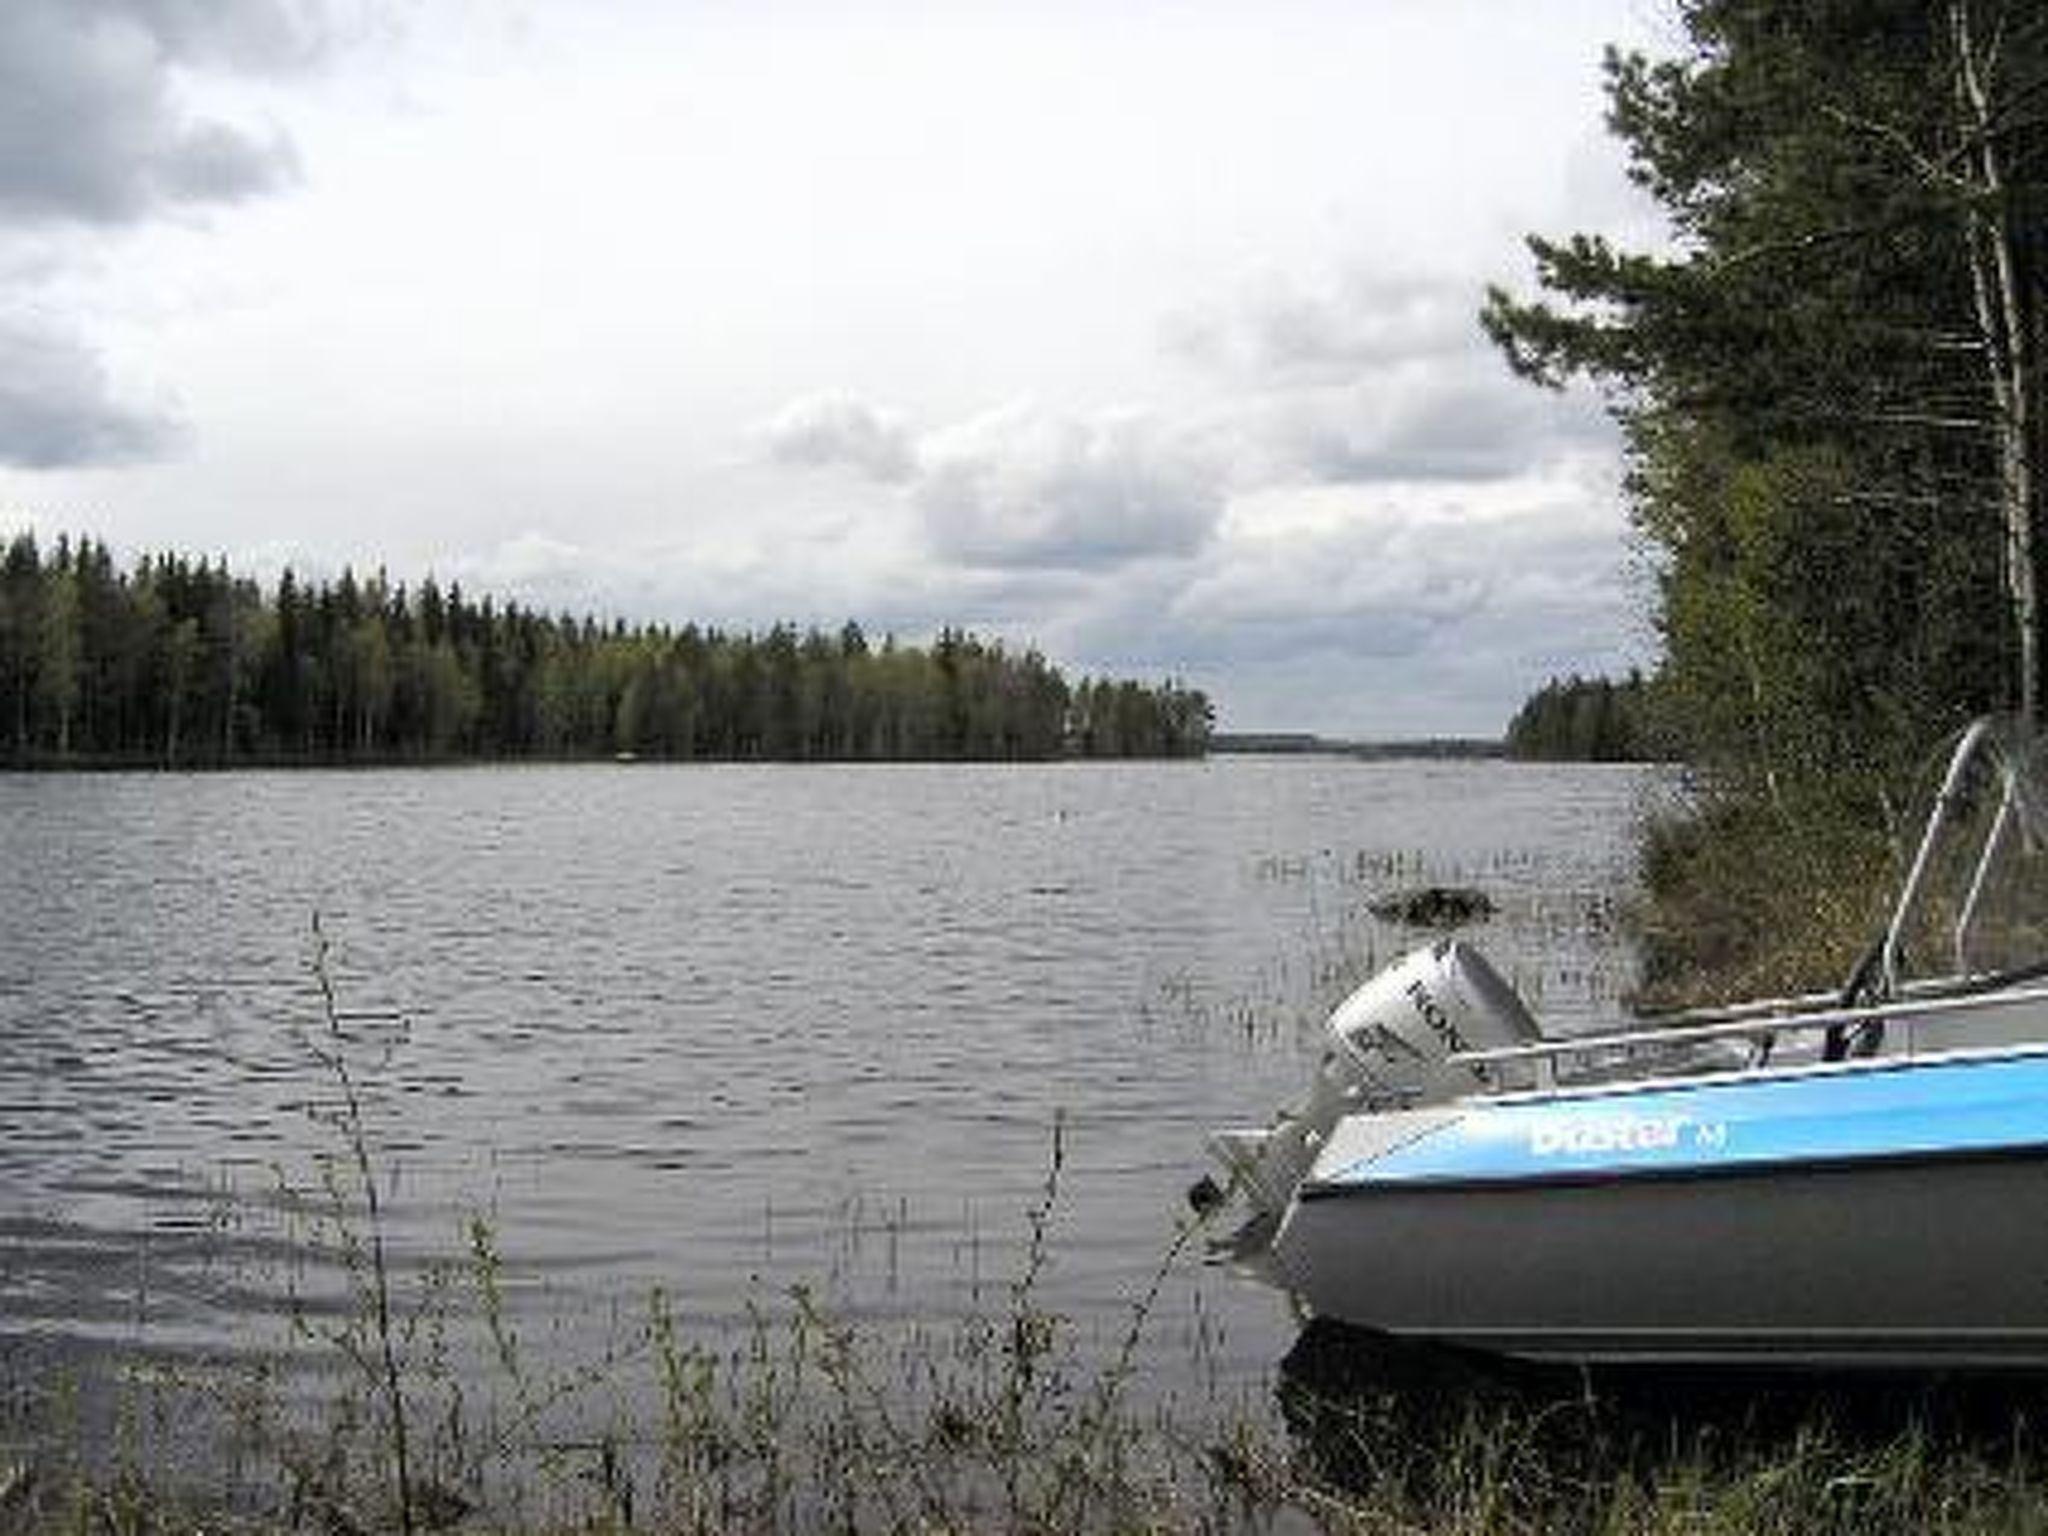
<point x="717" y="1029"/>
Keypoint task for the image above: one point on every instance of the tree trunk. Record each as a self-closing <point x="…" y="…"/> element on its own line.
<point x="2001" y="317"/>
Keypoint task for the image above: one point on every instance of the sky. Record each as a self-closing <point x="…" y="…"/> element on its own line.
<point x="1144" y="333"/>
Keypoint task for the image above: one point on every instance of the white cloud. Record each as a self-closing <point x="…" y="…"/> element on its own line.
<point x="837" y="429"/>
<point x="1378" y="584"/>
<point x="92" y="126"/>
<point x="96" y="135"/>
<point x="1365" y="319"/>
<point x="1346" y="609"/>
<point x="1415" y="531"/>
<point x="1452" y="422"/>
<point x="1376" y="377"/>
<point x="58" y="406"/>
<point x="532" y="557"/>
<point x="1023" y="488"/>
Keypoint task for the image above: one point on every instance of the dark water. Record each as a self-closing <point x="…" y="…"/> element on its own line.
<point x="717" y="1029"/>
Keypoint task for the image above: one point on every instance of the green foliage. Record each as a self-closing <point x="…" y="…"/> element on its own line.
<point x="1802" y="372"/>
<point x="1583" y="720"/>
<point x="1828" y="379"/>
<point x="183" y="665"/>
<point x="1741" y="899"/>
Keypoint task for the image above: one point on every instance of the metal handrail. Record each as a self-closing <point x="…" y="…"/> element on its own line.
<point x="1929" y="999"/>
<point x="1967" y="917"/>
<point x="1744" y="1029"/>
<point x="1800" y="1004"/>
<point x="1720" y="1013"/>
<point x="1909" y="893"/>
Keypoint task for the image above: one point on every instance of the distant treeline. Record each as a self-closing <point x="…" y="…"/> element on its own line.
<point x="1304" y="744"/>
<point x="183" y="663"/>
<point x="1590" y="720"/>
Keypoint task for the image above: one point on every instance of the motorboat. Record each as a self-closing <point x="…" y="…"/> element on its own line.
<point x="1852" y="1178"/>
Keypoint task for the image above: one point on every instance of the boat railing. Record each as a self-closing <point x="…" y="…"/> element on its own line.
<point x="1946" y="800"/>
<point x="1761" y="1030"/>
<point x="1792" y="1009"/>
<point x="1931" y="1000"/>
<point x="1721" y="1013"/>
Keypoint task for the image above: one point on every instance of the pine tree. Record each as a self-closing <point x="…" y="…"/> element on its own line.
<point x="1828" y="381"/>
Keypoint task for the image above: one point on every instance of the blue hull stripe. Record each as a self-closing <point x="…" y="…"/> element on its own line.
<point x="1939" y="1108"/>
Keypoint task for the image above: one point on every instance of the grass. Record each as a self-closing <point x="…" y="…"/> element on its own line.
<point x="1739" y="901"/>
<point x="815" y="1425"/>
<point x="1400" y="1438"/>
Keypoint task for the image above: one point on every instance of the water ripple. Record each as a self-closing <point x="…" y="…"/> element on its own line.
<point x="715" y="1029"/>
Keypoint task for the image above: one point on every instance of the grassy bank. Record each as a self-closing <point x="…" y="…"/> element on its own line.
<point x="815" y="1426"/>
<point x="1740" y="899"/>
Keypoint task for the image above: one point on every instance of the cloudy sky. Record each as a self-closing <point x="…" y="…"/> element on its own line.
<point x="1140" y="331"/>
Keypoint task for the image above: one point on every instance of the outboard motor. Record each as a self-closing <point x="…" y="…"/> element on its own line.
<point x="1388" y="1049"/>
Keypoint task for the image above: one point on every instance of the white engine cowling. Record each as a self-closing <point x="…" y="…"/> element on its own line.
<point x="1388" y="1049"/>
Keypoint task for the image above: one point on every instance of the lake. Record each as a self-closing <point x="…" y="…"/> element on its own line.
<point x="719" y="1030"/>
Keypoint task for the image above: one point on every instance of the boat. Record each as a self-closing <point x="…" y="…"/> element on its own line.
<point x="1852" y="1178"/>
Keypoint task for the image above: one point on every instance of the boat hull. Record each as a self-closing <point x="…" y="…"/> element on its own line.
<point x="1905" y="1265"/>
<point x="1894" y="1218"/>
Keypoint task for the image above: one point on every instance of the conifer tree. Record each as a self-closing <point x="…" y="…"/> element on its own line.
<point x="1830" y="378"/>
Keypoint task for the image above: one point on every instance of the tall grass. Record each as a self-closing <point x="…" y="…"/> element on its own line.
<point x="1739" y="901"/>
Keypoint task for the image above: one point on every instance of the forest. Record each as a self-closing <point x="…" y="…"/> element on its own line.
<point x="1584" y="720"/>
<point x="181" y="663"/>
<point x="1828" y="373"/>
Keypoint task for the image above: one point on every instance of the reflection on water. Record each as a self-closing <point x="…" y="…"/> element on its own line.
<point x="716" y="1029"/>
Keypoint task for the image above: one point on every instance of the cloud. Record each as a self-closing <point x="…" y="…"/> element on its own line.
<point x="94" y="136"/>
<point x="92" y="129"/>
<point x="836" y="429"/>
<point x="257" y="36"/>
<point x="1352" y="610"/>
<point x="1019" y="488"/>
<point x="1363" y="324"/>
<point x="1378" y="377"/>
<point x="1444" y="423"/>
<point x="212" y="163"/>
<point x="1378" y="585"/>
<point x="57" y="407"/>
<point x="1365" y="319"/>
<point x="1373" y="586"/>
